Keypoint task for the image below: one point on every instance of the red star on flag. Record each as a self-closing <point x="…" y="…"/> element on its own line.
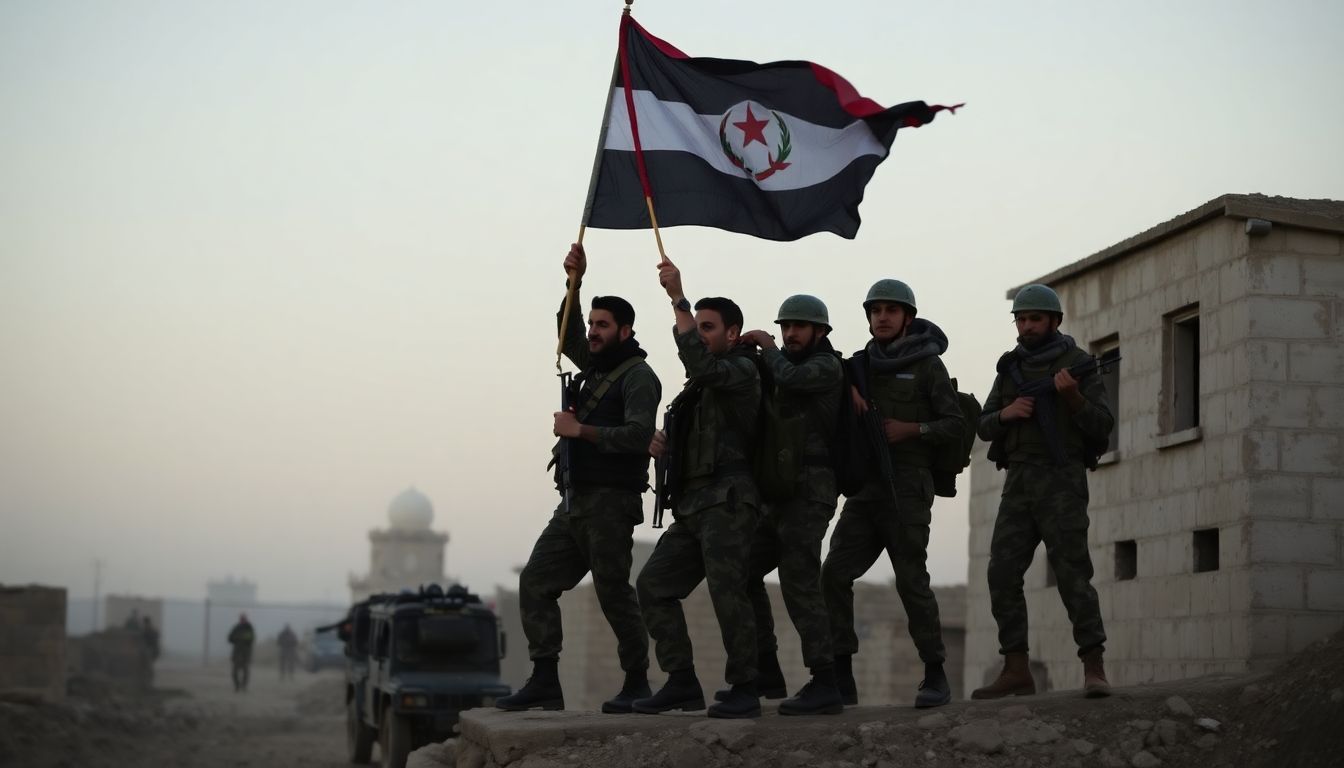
<point x="752" y="129"/>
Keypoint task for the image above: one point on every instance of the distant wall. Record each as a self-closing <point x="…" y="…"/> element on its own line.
<point x="32" y="641"/>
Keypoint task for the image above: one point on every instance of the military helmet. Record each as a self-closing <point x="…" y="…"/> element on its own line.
<point x="1037" y="298"/>
<point x="802" y="308"/>
<point x="893" y="291"/>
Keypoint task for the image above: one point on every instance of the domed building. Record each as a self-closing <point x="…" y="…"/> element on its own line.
<point x="407" y="553"/>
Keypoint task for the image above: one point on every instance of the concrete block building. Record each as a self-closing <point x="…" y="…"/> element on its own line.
<point x="1217" y="517"/>
<point x="32" y="642"/>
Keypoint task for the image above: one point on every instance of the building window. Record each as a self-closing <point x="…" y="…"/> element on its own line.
<point x="1182" y="369"/>
<point x="1206" y="550"/>
<point x="1109" y="349"/>
<point x="1126" y="560"/>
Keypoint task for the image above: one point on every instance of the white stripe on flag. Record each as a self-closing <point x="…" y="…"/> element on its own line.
<point x="818" y="152"/>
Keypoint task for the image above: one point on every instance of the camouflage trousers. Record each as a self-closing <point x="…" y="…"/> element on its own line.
<point x="789" y="538"/>
<point x="1043" y="504"/>
<point x="714" y="545"/>
<point x="868" y="526"/>
<point x="598" y="540"/>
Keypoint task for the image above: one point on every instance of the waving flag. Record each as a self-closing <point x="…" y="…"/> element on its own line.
<point x="778" y="150"/>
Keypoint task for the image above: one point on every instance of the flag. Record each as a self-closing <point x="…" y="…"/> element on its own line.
<point x="779" y="150"/>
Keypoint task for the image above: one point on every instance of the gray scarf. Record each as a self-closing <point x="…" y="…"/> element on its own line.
<point x="1047" y="352"/>
<point x="922" y="339"/>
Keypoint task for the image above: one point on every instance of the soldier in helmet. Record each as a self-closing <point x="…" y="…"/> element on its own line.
<point x="1045" y="490"/>
<point x="917" y="404"/>
<point x="609" y="436"/>
<point x="807" y="379"/>
<point x="716" y="510"/>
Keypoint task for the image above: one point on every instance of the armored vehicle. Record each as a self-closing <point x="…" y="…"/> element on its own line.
<point x="413" y="662"/>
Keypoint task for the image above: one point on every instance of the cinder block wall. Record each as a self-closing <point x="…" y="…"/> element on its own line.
<point x="1264" y="468"/>
<point x="32" y="641"/>
<point x="1294" y="456"/>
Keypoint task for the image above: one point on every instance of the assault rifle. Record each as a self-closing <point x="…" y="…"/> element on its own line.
<point x="667" y="468"/>
<point x="562" y="458"/>
<point x="1046" y="400"/>
<point x="872" y="427"/>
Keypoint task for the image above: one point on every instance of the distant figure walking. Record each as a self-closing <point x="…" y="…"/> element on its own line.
<point x="242" y="637"/>
<point x="289" y="652"/>
<point x="150" y="636"/>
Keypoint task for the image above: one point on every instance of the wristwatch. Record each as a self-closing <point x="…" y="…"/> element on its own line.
<point x="683" y="304"/>
<point x="923" y="429"/>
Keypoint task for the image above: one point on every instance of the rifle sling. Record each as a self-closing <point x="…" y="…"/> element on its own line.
<point x="601" y="389"/>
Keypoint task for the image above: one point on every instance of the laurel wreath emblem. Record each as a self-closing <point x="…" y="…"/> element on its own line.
<point x="775" y="159"/>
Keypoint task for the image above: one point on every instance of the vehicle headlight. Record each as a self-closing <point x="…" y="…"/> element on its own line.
<point x="414" y="700"/>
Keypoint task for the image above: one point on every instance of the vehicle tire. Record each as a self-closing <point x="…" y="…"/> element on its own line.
<point x="394" y="741"/>
<point x="358" y="736"/>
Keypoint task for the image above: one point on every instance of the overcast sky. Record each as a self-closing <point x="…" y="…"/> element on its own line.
<point x="264" y="265"/>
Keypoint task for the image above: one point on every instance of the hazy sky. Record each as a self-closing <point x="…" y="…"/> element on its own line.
<point x="263" y="265"/>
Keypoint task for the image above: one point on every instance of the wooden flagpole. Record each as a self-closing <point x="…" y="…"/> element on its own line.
<point x="597" y="162"/>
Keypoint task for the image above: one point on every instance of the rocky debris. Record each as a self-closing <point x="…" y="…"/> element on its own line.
<point x="1015" y="712"/>
<point x="1144" y="759"/>
<point x="1031" y="731"/>
<point x="1207" y="741"/>
<point x="1168" y="732"/>
<point x="934" y="722"/>
<point x="982" y="736"/>
<point x="434" y="756"/>
<point x="798" y="759"/>
<point x="1208" y="724"/>
<point x="1083" y="747"/>
<point x="1179" y="707"/>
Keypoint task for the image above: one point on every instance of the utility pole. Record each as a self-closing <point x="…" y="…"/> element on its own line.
<point x="205" y="654"/>
<point x="97" y="591"/>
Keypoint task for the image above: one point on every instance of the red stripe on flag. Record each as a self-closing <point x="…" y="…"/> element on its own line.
<point x="623" y="54"/>
<point x="664" y="47"/>
<point x="849" y="97"/>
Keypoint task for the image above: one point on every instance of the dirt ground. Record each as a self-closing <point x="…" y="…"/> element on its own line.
<point x="1292" y="717"/>
<point x="192" y="719"/>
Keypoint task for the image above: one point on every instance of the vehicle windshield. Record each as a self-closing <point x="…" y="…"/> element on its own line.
<point x="447" y="642"/>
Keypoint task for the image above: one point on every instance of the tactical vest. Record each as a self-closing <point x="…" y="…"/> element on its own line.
<point x="1023" y="441"/>
<point x="591" y="468"/>
<point x="901" y="396"/>
<point x="718" y="440"/>
<point x="820" y="411"/>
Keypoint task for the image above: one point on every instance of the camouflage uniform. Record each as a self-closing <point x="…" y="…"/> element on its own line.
<point x="871" y="521"/>
<point x="596" y="532"/>
<point x="790" y="533"/>
<point x="1044" y="501"/>
<point x="715" y="516"/>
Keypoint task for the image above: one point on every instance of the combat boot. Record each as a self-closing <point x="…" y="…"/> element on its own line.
<point x="681" y="691"/>
<point x="542" y="689"/>
<point x="1095" y="685"/>
<point x="935" y="690"/>
<point x="1014" y="680"/>
<point x="636" y="687"/>
<point x="844" y="679"/>
<point x="742" y="701"/>
<point x="819" y="697"/>
<point x="769" y="680"/>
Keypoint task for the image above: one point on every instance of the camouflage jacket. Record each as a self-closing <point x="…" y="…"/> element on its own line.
<point x="715" y="456"/>
<point x="1024" y="442"/>
<point x="812" y="386"/>
<point x="640" y="391"/>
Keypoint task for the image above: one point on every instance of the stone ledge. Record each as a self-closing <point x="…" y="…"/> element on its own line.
<point x="1172" y="439"/>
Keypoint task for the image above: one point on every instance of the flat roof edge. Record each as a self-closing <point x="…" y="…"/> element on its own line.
<point x="1229" y="205"/>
